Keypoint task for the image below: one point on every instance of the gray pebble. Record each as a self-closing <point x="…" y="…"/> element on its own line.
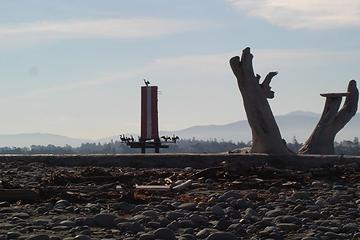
<point x="122" y="206"/>
<point x="217" y="210"/>
<point x="67" y="223"/>
<point x="350" y="227"/>
<point x="105" y="220"/>
<point x="4" y="204"/>
<point x="82" y="237"/>
<point x="165" y="234"/>
<point x="287" y="226"/>
<point x="205" y="232"/>
<point x="274" y="213"/>
<point x="147" y="236"/>
<point x="287" y="219"/>
<point x="13" y="235"/>
<point x="229" y="194"/>
<point x="39" y="237"/>
<point x="187" y="237"/>
<point x="222" y="236"/>
<point x="188" y="206"/>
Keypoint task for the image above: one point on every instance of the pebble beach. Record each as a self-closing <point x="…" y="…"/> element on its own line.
<point x="83" y="203"/>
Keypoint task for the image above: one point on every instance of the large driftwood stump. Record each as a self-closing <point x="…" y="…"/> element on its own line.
<point x="266" y="137"/>
<point x="332" y="121"/>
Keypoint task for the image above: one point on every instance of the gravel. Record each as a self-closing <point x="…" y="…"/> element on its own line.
<point x="294" y="205"/>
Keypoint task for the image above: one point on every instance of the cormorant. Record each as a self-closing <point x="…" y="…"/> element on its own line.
<point x="147" y="83"/>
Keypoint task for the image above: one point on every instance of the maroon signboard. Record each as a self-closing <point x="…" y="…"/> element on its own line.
<point x="149" y="113"/>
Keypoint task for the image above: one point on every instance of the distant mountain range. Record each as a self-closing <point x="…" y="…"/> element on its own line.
<point x="297" y="124"/>
<point x="28" y="139"/>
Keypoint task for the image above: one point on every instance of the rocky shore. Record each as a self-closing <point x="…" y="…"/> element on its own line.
<point x="221" y="203"/>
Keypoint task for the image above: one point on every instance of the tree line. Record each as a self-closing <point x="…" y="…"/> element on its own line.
<point x="114" y="147"/>
<point x="345" y="147"/>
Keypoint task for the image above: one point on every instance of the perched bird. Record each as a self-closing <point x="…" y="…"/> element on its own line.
<point x="175" y="138"/>
<point x="123" y="138"/>
<point x="166" y="138"/>
<point x="147" y="83"/>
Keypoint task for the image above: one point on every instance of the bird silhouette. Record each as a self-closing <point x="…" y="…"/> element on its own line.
<point x="166" y="138"/>
<point x="123" y="138"/>
<point x="147" y="83"/>
<point x="175" y="138"/>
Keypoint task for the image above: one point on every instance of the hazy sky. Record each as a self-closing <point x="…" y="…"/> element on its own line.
<point x="75" y="67"/>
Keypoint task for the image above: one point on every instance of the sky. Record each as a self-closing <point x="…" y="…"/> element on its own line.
<point x="75" y="67"/>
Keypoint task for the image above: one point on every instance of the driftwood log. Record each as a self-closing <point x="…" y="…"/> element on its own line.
<point x="266" y="137"/>
<point x="332" y="121"/>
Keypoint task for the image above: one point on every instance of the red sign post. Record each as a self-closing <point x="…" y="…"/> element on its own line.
<point x="149" y="137"/>
<point x="149" y="113"/>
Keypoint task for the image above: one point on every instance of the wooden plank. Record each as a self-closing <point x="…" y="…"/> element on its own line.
<point x="153" y="187"/>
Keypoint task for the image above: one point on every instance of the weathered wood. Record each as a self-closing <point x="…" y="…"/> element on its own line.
<point x="153" y="187"/>
<point x="182" y="186"/>
<point x="178" y="187"/>
<point x="13" y="195"/>
<point x="207" y="172"/>
<point x="334" y="95"/>
<point x="266" y="137"/>
<point x="332" y="121"/>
